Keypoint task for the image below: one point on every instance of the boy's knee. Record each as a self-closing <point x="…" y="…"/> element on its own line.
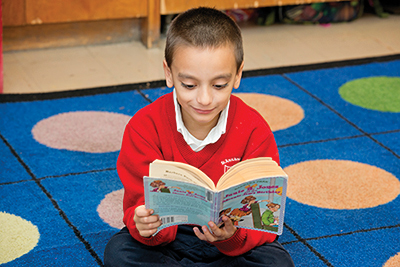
<point x="112" y="252"/>
<point x="124" y="250"/>
<point x="271" y="254"/>
<point x="116" y="248"/>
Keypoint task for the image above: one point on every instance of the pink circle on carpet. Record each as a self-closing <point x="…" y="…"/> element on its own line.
<point x="280" y="113"/>
<point x="341" y="184"/>
<point x="85" y="131"/>
<point x="111" y="210"/>
<point x="393" y="261"/>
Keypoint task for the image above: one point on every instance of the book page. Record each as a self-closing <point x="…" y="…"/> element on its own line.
<point x="249" y="170"/>
<point x="249" y="175"/>
<point x="258" y="204"/>
<point x="178" y="202"/>
<point x="180" y="172"/>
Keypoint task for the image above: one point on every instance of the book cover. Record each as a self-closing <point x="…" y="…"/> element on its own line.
<point x="256" y="204"/>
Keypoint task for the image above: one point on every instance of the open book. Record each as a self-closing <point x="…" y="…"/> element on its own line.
<point x="252" y="194"/>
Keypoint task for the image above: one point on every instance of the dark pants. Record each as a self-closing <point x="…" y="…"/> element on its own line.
<point x="188" y="250"/>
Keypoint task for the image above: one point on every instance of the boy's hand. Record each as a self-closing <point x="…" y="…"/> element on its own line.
<point x="146" y="223"/>
<point x="217" y="234"/>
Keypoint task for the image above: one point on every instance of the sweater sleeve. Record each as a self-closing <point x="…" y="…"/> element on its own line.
<point x="133" y="163"/>
<point x="245" y="239"/>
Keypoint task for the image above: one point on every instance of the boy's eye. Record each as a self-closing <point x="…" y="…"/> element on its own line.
<point x="188" y="86"/>
<point x="220" y="86"/>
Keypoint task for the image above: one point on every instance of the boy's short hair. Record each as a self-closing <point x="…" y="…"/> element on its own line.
<point x="203" y="27"/>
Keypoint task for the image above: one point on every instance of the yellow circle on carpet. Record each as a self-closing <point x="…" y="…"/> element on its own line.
<point x="111" y="210"/>
<point x="393" y="261"/>
<point x="18" y="237"/>
<point x="341" y="184"/>
<point x="280" y="113"/>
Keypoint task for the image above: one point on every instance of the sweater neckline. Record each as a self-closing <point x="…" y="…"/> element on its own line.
<point x="197" y="159"/>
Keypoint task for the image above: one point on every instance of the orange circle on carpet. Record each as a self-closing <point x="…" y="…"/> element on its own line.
<point x="85" y="131"/>
<point x="111" y="210"/>
<point x="393" y="261"/>
<point x="341" y="184"/>
<point x="280" y="113"/>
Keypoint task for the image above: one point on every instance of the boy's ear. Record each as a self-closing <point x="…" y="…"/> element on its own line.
<point x="238" y="76"/>
<point x="168" y="74"/>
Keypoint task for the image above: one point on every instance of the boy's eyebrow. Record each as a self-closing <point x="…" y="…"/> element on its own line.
<point x="222" y="76"/>
<point x="185" y="76"/>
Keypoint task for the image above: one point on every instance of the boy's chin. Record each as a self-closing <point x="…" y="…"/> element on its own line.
<point x="207" y="118"/>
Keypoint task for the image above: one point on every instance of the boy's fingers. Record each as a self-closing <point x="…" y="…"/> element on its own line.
<point x="216" y="231"/>
<point x="146" y="224"/>
<point x="146" y="230"/>
<point x="208" y="235"/>
<point x="154" y="219"/>
<point x="141" y="211"/>
<point x="229" y="227"/>
<point x="147" y="233"/>
<point x="199" y="234"/>
<point x="205" y="236"/>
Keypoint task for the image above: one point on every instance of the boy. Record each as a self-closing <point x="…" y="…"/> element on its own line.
<point x="201" y="124"/>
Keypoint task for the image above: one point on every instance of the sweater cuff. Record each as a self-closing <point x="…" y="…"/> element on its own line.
<point x="232" y="244"/>
<point x="163" y="237"/>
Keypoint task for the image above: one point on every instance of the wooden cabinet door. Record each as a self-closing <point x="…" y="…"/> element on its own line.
<point x="22" y="12"/>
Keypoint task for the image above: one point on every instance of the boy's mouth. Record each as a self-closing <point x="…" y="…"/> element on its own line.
<point x="203" y="111"/>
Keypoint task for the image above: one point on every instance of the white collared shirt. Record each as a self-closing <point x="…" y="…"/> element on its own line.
<point x="212" y="137"/>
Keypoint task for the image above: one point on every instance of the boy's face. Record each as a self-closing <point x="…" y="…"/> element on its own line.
<point x="203" y="81"/>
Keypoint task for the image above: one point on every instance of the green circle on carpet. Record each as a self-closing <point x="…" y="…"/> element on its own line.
<point x="376" y="93"/>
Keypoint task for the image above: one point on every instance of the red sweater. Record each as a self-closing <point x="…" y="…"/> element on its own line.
<point x="151" y="134"/>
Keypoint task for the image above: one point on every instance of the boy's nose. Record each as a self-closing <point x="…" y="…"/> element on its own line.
<point x="204" y="96"/>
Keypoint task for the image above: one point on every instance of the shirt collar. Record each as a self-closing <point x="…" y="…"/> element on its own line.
<point x="212" y="137"/>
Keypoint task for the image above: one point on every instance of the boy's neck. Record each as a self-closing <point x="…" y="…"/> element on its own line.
<point x="202" y="132"/>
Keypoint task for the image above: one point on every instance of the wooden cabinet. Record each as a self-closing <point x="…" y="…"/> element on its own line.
<point x="28" y="12"/>
<point x="53" y="11"/>
<point x="177" y="6"/>
<point x="35" y="24"/>
<point x="150" y="33"/>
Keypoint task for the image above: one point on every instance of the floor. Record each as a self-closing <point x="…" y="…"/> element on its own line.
<point x="60" y="69"/>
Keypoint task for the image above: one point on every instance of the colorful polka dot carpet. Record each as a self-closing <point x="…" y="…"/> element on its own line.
<point x="337" y="126"/>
